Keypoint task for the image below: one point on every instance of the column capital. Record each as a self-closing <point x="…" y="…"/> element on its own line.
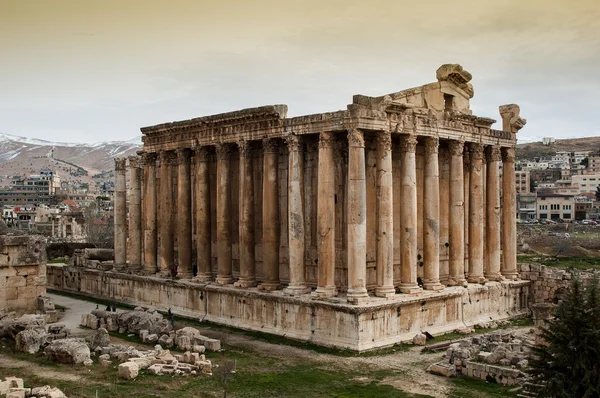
<point x="270" y="145"/>
<point x="456" y="147"/>
<point x="508" y="155"/>
<point x="148" y="158"/>
<point x="326" y="139"/>
<point x="202" y="153"/>
<point x="408" y="143"/>
<point x="493" y="153"/>
<point x="432" y="145"/>
<point x="134" y="161"/>
<point x="183" y="155"/>
<point x="384" y="140"/>
<point x="120" y="164"/>
<point x="244" y="147"/>
<point x="223" y="151"/>
<point x="476" y="151"/>
<point x="294" y="142"/>
<point x="168" y="157"/>
<point x="356" y="138"/>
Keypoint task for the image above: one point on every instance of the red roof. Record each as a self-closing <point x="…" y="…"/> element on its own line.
<point x="69" y="202"/>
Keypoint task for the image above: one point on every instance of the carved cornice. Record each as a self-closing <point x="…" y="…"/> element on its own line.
<point x="493" y="153"/>
<point x="244" y="148"/>
<point x="408" y="143"/>
<point x="223" y="151"/>
<point x="384" y="140"/>
<point x="476" y="151"/>
<point x="183" y="156"/>
<point x="120" y="164"/>
<point x="508" y="155"/>
<point x="326" y="140"/>
<point x="134" y="162"/>
<point x="456" y="147"/>
<point x="432" y="145"/>
<point x="202" y="154"/>
<point x="270" y="145"/>
<point x="294" y="143"/>
<point x="356" y="138"/>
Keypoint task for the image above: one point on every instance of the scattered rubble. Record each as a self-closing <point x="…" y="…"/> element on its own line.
<point x="72" y="350"/>
<point x="13" y="387"/>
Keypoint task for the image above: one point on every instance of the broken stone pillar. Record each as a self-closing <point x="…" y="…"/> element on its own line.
<point x="408" y="215"/>
<point x="224" y="256"/>
<point x="203" y="215"/>
<point x="509" y="214"/>
<point x="134" y="254"/>
<point x="297" y="284"/>
<point x="492" y="270"/>
<point x="431" y="216"/>
<point x="184" y="215"/>
<point x="457" y="215"/>
<point x="271" y="224"/>
<point x="149" y="163"/>
<point x="357" y="218"/>
<point x="326" y="217"/>
<point x="246" y="230"/>
<point x="476" y="216"/>
<point x="120" y="213"/>
<point x="385" y="211"/>
<point x="167" y="158"/>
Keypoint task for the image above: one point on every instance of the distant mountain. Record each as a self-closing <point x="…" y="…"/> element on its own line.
<point x="530" y="150"/>
<point x="24" y="156"/>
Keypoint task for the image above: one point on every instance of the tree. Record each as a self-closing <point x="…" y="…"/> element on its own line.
<point x="585" y="162"/>
<point x="598" y="193"/>
<point x="99" y="227"/>
<point x="567" y="364"/>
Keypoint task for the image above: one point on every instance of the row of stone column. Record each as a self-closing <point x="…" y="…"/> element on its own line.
<point x="356" y="216"/>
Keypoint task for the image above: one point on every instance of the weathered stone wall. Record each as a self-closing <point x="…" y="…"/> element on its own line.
<point x="22" y="272"/>
<point x="549" y="283"/>
<point x="334" y="323"/>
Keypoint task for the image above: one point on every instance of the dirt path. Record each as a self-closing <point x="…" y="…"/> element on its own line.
<point x="41" y="371"/>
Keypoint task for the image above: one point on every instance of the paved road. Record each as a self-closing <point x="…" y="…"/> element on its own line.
<point x="74" y="308"/>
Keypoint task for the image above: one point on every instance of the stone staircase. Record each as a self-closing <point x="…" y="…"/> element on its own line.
<point x="529" y="390"/>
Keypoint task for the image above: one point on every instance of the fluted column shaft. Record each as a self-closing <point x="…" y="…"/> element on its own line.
<point x="149" y="162"/>
<point x="492" y="270"/>
<point x="184" y="215"/>
<point x="271" y="224"/>
<point x="431" y="216"/>
<point x="246" y="230"/>
<point x="166" y="224"/>
<point x="134" y="254"/>
<point x="408" y="215"/>
<point x="385" y="222"/>
<point x="509" y="211"/>
<point x="224" y="255"/>
<point x="457" y="215"/>
<point x="203" y="216"/>
<point x="357" y="218"/>
<point x="476" y="216"/>
<point x="296" y="216"/>
<point x="120" y="213"/>
<point x="326" y="217"/>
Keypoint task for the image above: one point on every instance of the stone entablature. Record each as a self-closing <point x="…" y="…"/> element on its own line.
<point x="394" y="189"/>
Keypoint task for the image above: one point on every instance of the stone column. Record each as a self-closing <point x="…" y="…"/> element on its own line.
<point x="431" y="216"/>
<point x="224" y="256"/>
<point x="120" y="213"/>
<point x="271" y="225"/>
<point x="246" y="230"/>
<point x="166" y="224"/>
<point x="457" y="215"/>
<point x="385" y="212"/>
<point x="357" y="218"/>
<point x="326" y="217"/>
<point x="203" y="216"/>
<point x="408" y="216"/>
<point x="134" y="252"/>
<point x="149" y="162"/>
<point x="297" y="284"/>
<point x="184" y="215"/>
<point x="509" y="211"/>
<point x="492" y="270"/>
<point x="467" y="190"/>
<point x="476" y="216"/>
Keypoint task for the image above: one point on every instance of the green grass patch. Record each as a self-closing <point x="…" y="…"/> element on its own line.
<point x="57" y="261"/>
<point x="577" y="262"/>
<point x="465" y="387"/>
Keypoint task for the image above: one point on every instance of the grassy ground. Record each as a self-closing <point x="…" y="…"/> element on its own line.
<point x="465" y="387"/>
<point x="578" y="262"/>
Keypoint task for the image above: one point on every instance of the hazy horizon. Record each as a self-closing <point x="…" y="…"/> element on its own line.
<point x="98" y="71"/>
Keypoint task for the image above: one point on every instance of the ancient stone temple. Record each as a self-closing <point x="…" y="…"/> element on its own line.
<point x="354" y="228"/>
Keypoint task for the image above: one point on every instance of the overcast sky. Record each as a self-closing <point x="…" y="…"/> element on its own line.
<point x="87" y="71"/>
